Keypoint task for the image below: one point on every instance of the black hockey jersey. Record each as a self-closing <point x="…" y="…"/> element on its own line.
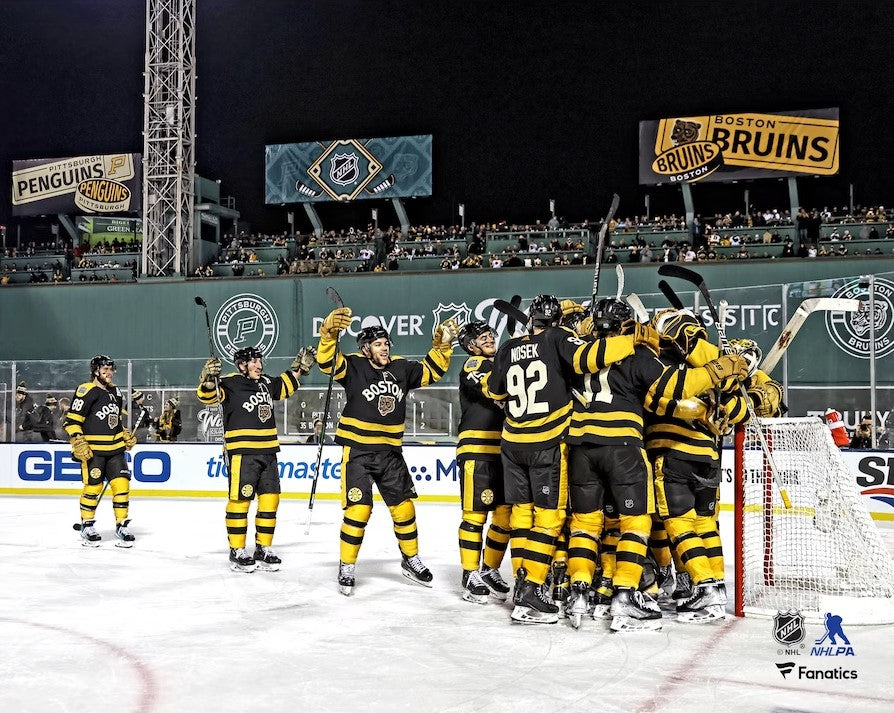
<point x="376" y="407"/>
<point x="249" y="419"/>
<point x="531" y="373"/>
<point x="97" y="414"/>
<point x="481" y="421"/>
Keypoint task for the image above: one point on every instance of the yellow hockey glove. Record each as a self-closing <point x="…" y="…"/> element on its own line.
<point x="130" y="440"/>
<point x="304" y="361"/>
<point x="211" y="371"/>
<point x="337" y="320"/>
<point x="445" y="333"/>
<point x="727" y="366"/>
<point x="644" y="333"/>
<point x="80" y="449"/>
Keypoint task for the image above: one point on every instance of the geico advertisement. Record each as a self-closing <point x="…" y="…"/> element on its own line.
<point x="198" y="469"/>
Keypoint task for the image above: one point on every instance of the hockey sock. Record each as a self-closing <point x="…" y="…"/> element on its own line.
<point x="89" y="501"/>
<point x="521" y="520"/>
<point x="659" y="544"/>
<point x="237" y="522"/>
<point x="404" y="517"/>
<point x="265" y="518"/>
<point x="352" y="528"/>
<point x="497" y="537"/>
<point x="706" y="527"/>
<point x="120" y="488"/>
<point x="583" y="545"/>
<point x="689" y="547"/>
<point x="541" y="545"/>
<point x="610" y="536"/>
<point x="630" y="554"/>
<point x="471" y="535"/>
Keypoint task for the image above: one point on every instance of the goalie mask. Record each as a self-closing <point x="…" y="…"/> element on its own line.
<point x="245" y="355"/>
<point x="469" y="333"/>
<point x="682" y="328"/>
<point x="545" y="311"/>
<point x="608" y="316"/>
<point x="749" y="351"/>
<point x="370" y="334"/>
<point x="99" y="361"/>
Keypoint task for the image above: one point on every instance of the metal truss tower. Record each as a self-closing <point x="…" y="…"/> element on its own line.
<point x="169" y="103"/>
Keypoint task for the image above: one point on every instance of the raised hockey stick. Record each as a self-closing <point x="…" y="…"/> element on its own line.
<point x="79" y="526"/>
<point x="600" y="244"/>
<point x="223" y="443"/>
<point x="511" y="311"/>
<point x="805" y="309"/>
<point x="639" y="309"/>
<point x="619" y="273"/>
<point x="683" y="273"/>
<point x="511" y="321"/>
<point x="337" y="301"/>
<point x="670" y="295"/>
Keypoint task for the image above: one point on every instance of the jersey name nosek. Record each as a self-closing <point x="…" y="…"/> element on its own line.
<point x="524" y="351"/>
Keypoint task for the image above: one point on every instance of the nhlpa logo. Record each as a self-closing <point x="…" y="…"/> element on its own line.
<point x="839" y="644"/>
<point x="344" y="168"/>
<point x="460" y="312"/>
<point x="788" y="628"/>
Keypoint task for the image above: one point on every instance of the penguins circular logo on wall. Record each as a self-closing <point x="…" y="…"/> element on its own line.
<point x="851" y="330"/>
<point x="246" y="320"/>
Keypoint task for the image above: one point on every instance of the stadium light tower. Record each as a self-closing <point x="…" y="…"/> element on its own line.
<point x="169" y="103"/>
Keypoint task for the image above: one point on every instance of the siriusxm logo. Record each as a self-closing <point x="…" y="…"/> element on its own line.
<point x="36" y="466"/>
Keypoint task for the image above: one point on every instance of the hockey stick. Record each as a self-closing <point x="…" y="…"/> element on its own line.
<point x="619" y="273"/>
<point x="199" y="301"/>
<point x="805" y="309"/>
<point x="511" y="321"/>
<point x="511" y="311"/>
<point x="636" y="304"/>
<point x="670" y="295"/>
<point x="683" y="273"/>
<point x="601" y="244"/>
<point x="337" y="301"/>
<point x="79" y="526"/>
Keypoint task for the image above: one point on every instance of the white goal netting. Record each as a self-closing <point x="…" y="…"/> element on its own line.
<point x="825" y="553"/>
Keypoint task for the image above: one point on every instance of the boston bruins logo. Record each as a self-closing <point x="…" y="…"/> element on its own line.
<point x="113" y="421"/>
<point x="387" y="404"/>
<point x="246" y="491"/>
<point x="265" y="412"/>
<point x="354" y="495"/>
<point x="487" y="496"/>
<point x="685" y="132"/>
<point x="95" y="473"/>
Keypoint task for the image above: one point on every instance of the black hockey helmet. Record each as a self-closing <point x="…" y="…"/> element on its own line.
<point x="545" y="311"/>
<point x="370" y="334"/>
<point x="246" y="354"/>
<point x="608" y="316"/>
<point x="470" y="331"/>
<point x="99" y="361"/>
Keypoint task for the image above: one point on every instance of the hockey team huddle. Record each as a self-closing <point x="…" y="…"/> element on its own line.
<point x="592" y="440"/>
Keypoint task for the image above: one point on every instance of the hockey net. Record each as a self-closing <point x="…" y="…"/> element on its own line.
<point x="825" y="554"/>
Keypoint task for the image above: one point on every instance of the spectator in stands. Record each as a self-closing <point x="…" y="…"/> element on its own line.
<point x="788" y="249"/>
<point x="26" y="414"/>
<point x="862" y="437"/>
<point x="513" y="260"/>
<point x="318" y="434"/>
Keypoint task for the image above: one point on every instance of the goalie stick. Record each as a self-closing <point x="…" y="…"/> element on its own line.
<point x="337" y="301"/>
<point x="805" y="309"/>
<point x="683" y="273"/>
<point x="600" y="244"/>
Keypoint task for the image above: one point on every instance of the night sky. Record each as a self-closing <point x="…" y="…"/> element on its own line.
<point x="526" y="101"/>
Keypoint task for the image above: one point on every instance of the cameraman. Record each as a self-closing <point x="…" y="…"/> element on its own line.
<point x="863" y="434"/>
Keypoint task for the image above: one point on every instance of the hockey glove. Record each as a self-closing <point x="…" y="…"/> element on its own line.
<point x="445" y="333"/>
<point x="570" y="307"/>
<point x="766" y="398"/>
<point x="130" y="440"/>
<point x="304" y="361"/>
<point x="211" y="371"/>
<point x="644" y="333"/>
<point x="585" y="326"/>
<point x="727" y="366"/>
<point x="337" y="320"/>
<point x="80" y="449"/>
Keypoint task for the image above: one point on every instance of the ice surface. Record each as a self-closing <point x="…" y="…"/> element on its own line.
<point x="166" y="626"/>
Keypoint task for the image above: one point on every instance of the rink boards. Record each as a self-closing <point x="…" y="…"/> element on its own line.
<point x="196" y="470"/>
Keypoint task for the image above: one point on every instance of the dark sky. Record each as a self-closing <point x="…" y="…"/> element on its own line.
<point x="526" y="101"/>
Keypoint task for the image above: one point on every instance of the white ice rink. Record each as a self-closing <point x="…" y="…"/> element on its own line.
<point x="166" y="626"/>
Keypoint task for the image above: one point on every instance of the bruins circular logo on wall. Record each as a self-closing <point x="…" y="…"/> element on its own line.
<point x="487" y="496"/>
<point x="354" y="495"/>
<point x="246" y="491"/>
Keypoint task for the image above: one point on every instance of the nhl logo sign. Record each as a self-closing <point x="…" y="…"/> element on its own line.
<point x="852" y="331"/>
<point x="788" y="628"/>
<point x="460" y="312"/>
<point x="344" y="168"/>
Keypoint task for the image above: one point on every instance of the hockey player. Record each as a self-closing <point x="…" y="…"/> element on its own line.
<point x="251" y="445"/>
<point x="683" y="444"/>
<point x="371" y="430"/>
<point x="530" y="375"/>
<point x="481" y="482"/>
<point x="98" y="437"/>
<point x="607" y="456"/>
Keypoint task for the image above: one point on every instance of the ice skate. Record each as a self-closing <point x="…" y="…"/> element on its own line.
<point x="415" y="571"/>
<point x="631" y="613"/>
<point x="666" y="583"/>
<point x="560" y="584"/>
<point x="241" y="561"/>
<point x="124" y="535"/>
<point x="266" y="559"/>
<point x="705" y="605"/>
<point x="682" y="587"/>
<point x="577" y="604"/>
<point x="602" y="600"/>
<point x="345" y="579"/>
<point x="89" y="536"/>
<point x="499" y="590"/>
<point x="474" y="588"/>
<point x="534" y="605"/>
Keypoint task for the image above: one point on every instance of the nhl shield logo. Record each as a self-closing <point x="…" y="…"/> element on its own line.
<point x="387" y="404"/>
<point x="460" y="312"/>
<point x="344" y="168"/>
<point x="788" y="627"/>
